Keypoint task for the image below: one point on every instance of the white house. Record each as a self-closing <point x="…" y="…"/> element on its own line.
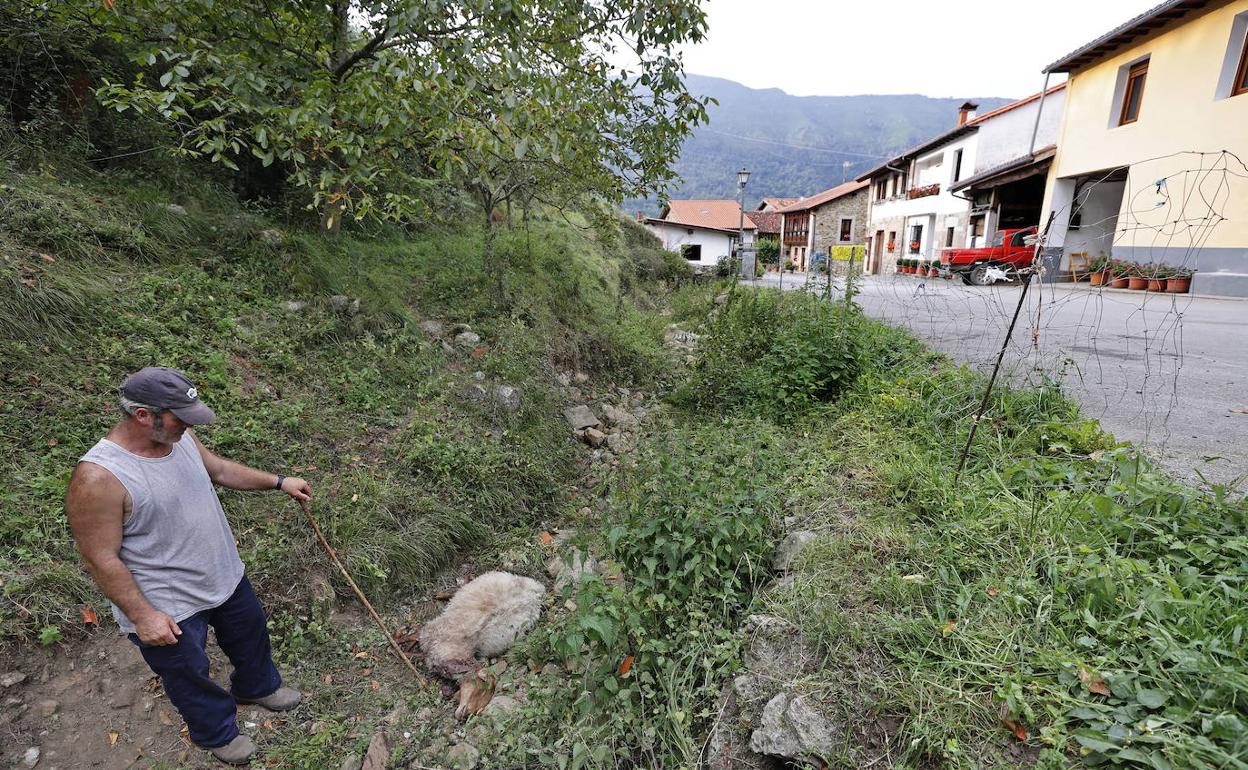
<point x="920" y="201"/>
<point x="702" y="231"/>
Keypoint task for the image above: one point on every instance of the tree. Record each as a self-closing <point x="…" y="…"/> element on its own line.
<point x="368" y="101"/>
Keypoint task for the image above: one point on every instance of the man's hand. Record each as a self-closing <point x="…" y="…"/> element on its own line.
<point x="157" y="629"/>
<point x="297" y="488"/>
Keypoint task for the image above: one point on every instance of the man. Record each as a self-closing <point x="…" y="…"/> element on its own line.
<point x="152" y="531"/>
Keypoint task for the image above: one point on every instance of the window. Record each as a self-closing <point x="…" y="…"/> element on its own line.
<point x="948" y="237"/>
<point x="1133" y="96"/>
<point x="847" y="230"/>
<point x="892" y="240"/>
<point x="916" y="238"/>
<point x="691" y="252"/>
<point x="1240" y="85"/>
<point x="957" y="165"/>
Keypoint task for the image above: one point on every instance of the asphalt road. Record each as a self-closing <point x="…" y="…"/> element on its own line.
<point x="1164" y="371"/>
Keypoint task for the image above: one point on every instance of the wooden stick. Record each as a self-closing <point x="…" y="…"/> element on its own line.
<point x="307" y="511"/>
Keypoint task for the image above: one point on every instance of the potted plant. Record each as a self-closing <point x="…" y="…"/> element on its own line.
<point x="1137" y="278"/>
<point x="891" y="246"/>
<point x="1120" y="274"/>
<point x="901" y="265"/>
<point x="1158" y="276"/>
<point x="933" y="270"/>
<point x="1180" y="280"/>
<point x="1098" y="270"/>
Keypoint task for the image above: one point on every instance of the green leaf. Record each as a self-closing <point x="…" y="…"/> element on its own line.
<point x="1153" y="699"/>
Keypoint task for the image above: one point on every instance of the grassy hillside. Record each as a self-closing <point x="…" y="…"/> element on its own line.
<point x="101" y="275"/>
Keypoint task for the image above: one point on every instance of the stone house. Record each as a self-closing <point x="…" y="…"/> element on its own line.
<point x="814" y="225"/>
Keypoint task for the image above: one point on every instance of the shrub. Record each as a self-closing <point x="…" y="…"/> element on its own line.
<point x="776" y="352"/>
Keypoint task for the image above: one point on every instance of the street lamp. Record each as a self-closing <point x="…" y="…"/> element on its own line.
<point x="743" y="176"/>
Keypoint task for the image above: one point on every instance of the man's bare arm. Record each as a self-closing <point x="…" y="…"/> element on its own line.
<point x="232" y="475"/>
<point x="96" y="506"/>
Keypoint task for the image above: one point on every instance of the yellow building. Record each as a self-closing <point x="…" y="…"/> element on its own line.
<point x="1152" y="158"/>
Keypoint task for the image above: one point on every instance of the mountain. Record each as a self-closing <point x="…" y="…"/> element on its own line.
<point x="795" y="145"/>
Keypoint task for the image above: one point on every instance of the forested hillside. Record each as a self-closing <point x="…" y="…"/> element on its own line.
<point x="796" y="145"/>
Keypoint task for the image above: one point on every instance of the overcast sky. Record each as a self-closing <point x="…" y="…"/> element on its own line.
<point x="957" y="48"/>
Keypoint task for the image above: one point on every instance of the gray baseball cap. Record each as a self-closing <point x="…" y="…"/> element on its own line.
<point x="170" y="389"/>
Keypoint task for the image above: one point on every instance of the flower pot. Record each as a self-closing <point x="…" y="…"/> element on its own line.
<point x="1157" y="284"/>
<point x="1119" y="282"/>
<point x="1179" y="285"/>
<point x="1098" y="278"/>
<point x="1137" y="282"/>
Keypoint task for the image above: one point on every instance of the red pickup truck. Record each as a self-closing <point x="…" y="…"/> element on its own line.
<point x="1010" y="249"/>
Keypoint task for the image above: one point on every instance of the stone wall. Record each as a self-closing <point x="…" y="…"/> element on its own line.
<point x="828" y="221"/>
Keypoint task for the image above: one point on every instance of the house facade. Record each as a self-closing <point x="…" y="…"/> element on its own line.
<point x="958" y="189"/>
<point x="834" y="217"/>
<point x="912" y="211"/>
<point x="702" y="231"/>
<point x="1150" y="163"/>
<point x="1015" y="146"/>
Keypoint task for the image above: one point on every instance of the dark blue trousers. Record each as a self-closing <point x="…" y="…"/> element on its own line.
<point x="243" y="635"/>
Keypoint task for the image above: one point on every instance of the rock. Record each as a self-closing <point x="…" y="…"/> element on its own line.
<point x="507" y="398"/>
<point x="564" y="379"/>
<point x="46" y="708"/>
<point x="474" y="392"/>
<point x="580" y="378"/>
<point x="478" y="375"/>
<point x="354" y="307"/>
<point x="722" y="299"/>
<point x="31" y="757"/>
<point x="728" y="747"/>
<point x="463" y="756"/>
<point x="580" y="416"/>
<point x="350" y="763"/>
<point x="435" y="329"/>
<point x="790" y="728"/>
<point x="294" y="306"/>
<point x="339" y="301"/>
<point x="790" y="548"/>
<point x="620" y="443"/>
<point x="12" y="678"/>
<point x="378" y="754"/>
<point x="174" y="208"/>
<point x="467" y="339"/>
<point x="424" y="715"/>
<point x="594" y="437"/>
<point x="272" y="236"/>
<point x="501" y="706"/>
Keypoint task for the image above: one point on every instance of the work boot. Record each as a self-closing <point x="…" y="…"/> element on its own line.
<point x="282" y="699"/>
<point x="236" y="752"/>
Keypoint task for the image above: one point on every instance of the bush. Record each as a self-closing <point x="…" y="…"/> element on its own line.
<point x="777" y="352"/>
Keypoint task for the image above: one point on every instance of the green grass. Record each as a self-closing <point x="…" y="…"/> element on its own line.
<point x="1061" y="586"/>
<point x="99" y="278"/>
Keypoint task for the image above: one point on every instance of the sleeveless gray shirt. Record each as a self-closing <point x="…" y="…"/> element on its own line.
<point x="176" y="542"/>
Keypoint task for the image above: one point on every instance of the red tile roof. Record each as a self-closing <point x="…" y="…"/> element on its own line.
<point x="819" y="199"/>
<point x="719" y="215"/>
<point x="767" y="221"/>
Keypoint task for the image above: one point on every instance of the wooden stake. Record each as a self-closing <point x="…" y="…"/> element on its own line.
<point x="329" y="549"/>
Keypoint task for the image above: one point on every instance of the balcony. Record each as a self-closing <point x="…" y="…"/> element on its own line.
<point x="923" y="192"/>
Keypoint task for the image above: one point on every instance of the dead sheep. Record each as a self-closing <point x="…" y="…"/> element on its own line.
<point x="482" y="620"/>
